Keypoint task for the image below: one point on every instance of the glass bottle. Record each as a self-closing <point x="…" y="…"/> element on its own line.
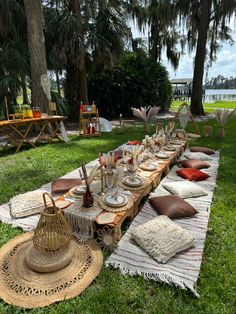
<point x="81" y="106"/>
<point x="93" y="129"/>
<point x="93" y="107"/>
<point x="87" y="198"/>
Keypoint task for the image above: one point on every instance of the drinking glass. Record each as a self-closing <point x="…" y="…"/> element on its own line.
<point x="119" y="172"/>
<point x="132" y="167"/>
<point x="109" y="179"/>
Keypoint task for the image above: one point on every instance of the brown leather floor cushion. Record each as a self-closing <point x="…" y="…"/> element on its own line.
<point x="194" y="163"/>
<point x="204" y="150"/>
<point x="172" y="206"/>
<point x="64" y="185"/>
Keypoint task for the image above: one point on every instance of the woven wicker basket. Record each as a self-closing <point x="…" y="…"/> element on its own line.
<point x="51" y="248"/>
<point x="53" y="231"/>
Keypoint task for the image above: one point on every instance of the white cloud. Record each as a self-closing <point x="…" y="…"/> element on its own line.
<point x="225" y="63"/>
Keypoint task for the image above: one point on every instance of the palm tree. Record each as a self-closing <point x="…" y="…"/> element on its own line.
<point x="14" y="60"/>
<point x="160" y="16"/>
<point x="87" y="35"/>
<point x="207" y="22"/>
<point x="38" y="65"/>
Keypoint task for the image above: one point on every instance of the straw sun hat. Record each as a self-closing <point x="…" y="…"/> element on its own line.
<point x="24" y="287"/>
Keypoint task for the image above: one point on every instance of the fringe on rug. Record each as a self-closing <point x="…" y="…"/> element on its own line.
<point x="83" y="227"/>
<point x="159" y="277"/>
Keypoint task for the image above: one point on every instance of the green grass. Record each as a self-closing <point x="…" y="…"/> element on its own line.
<point x="208" y="107"/>
<point x="111" y="292"/>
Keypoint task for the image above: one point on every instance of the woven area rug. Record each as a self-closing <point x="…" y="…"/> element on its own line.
<point x="183" y="269"/>
<point x="29" y="223"/>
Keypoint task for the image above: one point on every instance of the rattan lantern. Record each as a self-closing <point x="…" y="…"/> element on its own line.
<point x="51" y="247"/>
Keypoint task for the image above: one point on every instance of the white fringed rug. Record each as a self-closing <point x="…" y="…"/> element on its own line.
<point x="183" y="269"/>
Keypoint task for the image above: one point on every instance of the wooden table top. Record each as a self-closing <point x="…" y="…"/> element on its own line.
<point x="28" y="120"/>
<point x="152" y="180"/>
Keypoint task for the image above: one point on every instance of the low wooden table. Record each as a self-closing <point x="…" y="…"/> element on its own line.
<point x="19" y="130"/>
<point x="114" y="229"/>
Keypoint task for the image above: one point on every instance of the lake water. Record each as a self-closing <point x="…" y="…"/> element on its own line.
<point x="212" y="95"/>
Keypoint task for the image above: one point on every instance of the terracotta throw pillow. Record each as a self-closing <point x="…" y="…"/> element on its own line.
<point x="172" y="206"/>
<point x="64" y="185"/>
<point x="204" y="150"/>
<point x="134" y="143"/>
<point x="194" y="163"/>
<point x="192" y="174"/>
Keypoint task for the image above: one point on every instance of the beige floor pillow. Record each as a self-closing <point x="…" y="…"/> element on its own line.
<point x="184" y="189"/>
<point x="162" y="238"/>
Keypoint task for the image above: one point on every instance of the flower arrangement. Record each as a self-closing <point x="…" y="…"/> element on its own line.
<point x="146" y="114"/>
<point x="222" y="116"/>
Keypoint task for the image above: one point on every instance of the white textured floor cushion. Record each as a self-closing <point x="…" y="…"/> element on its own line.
<point x="184" y="189"/>
<point x="27" y="204"/>
<point x="162" y="238"/>
<point x="198" y="155"/>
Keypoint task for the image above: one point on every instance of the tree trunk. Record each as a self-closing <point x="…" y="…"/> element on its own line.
<point x="154" y="50"/>
<point x="35" y="24"/>
<point x="81" y="67"/>
<point x="196" y="98"/>
<point x="24" y="91"/>
<point x="58" y="83"/>
<point x="83" y="87"/>
<point x="72" y="91"/>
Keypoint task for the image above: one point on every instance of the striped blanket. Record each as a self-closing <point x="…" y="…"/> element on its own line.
<point x="29" y="223"/>
<point x="183" y="269"/>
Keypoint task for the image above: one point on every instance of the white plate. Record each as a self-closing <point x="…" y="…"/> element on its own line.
<point x="169" y="148"/>
<point x="149" y="166"/>
<point x="115" y="201"/>
<point x="176" y="142"/>
<point x="134" y="182"/>
<point x="106" y="218"/>
<point x="80" y="189"/>
<point x="162" y="155"/>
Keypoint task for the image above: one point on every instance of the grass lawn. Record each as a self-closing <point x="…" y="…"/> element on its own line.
<point x="111" y="292"/>
<point x="208" y="107"/>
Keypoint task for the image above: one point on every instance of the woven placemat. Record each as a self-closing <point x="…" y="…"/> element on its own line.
<point x="110" y="209"/>
<point x="134" y="188"/>
<point x="76" y="195"/>
<point x="21" y="286"/>
<point x="79" y="203"/>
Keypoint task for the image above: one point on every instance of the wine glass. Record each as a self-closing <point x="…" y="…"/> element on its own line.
<point x="119" y="173"/>
<point x="109" y="179"/>
<point x="132" y="166"/>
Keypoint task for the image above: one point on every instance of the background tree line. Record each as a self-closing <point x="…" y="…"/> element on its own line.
<point x="221" y="82"/>
<point x="86" y="40"/>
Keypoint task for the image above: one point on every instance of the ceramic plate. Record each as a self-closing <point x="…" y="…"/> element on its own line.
<point x="169" y="148"/>
<point x="80" y="189"/>
<point x="149" y="166"/>
<point x="105" y="218"/>
<point x="62" y="203"/>
<point x="113" y="200"/>
<point x="176" y="142"/>
<point x="135" y="181"/>
<point x="162" y="155"/>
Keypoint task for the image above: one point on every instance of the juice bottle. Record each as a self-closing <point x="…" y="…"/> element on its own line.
<point x="81" y="107"/>
<point x="93" y="107"/>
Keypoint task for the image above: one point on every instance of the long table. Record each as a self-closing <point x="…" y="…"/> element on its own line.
<point x="18" y="130"/>
<point x="152" y="180"/>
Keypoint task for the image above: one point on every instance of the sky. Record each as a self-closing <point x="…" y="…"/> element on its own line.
<point x="225" y="63"/>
